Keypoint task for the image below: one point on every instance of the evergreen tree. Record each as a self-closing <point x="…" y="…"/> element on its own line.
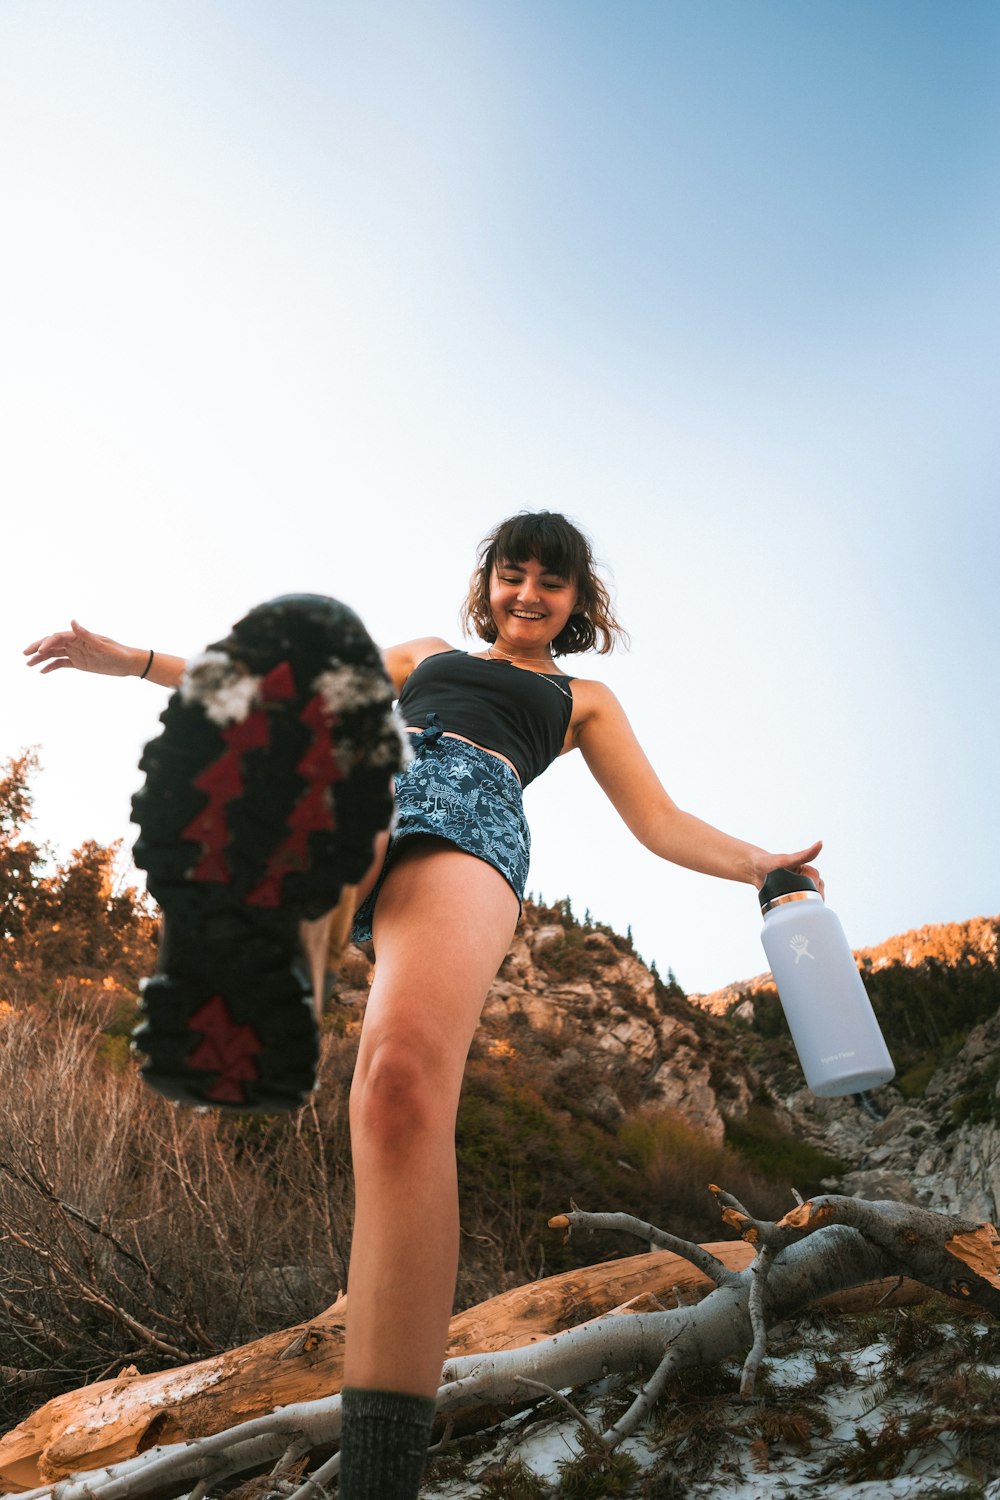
<point x="80" y="917"/>
<point x="21" y="860"/>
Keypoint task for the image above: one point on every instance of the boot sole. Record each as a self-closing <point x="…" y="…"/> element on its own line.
<point x="263" y="796"/>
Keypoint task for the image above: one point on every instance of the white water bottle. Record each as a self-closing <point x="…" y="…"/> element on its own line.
<point x="827" y="1008"/>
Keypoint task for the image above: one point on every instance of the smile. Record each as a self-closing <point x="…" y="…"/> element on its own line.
<point x="524" y="614"/>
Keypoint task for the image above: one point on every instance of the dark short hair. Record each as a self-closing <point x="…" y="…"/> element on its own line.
<point x="561" y="548"/>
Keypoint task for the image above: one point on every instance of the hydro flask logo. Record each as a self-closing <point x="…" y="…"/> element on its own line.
<point x="800" y="947"/>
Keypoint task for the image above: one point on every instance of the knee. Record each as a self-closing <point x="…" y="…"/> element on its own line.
<point x="399" y="1096"/>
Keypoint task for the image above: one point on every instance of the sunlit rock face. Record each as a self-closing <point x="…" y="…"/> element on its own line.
<point x="583" y="990"/>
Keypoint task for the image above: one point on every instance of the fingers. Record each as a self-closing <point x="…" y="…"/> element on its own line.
<point x="44" y="643"/>
<point x="800" y="862"/>
<point x="796" y="861"/>
<point x="56" y="650"/>
<point x="52" y="656"/>
<point x="48" y="646"/>
<point x="82" y="650"/>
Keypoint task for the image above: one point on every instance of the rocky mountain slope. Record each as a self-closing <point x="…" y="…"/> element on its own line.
<point x="590" y="1079"/>
<point x="601" y="1037"/>
<point x="936" y="991"/>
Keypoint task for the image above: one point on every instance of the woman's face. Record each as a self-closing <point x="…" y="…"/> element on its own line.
<point x="530" y="606"/>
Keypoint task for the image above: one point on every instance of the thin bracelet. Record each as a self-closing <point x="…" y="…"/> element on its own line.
<point x="145" y="672"/>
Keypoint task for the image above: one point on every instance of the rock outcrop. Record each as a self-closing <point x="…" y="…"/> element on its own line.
<point x="577" y="999"/>
<point x="933" y="1136"/>
<point x="582" y="988"/>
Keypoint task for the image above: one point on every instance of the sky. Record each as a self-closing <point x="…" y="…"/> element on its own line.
<point x="307" y="297"/>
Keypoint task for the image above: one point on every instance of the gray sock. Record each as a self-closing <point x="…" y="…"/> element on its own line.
<point x="383" y="1444"/>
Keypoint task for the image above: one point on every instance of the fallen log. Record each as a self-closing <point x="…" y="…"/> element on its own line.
<point x="278" y="1394"/>
<point x="111" y="1420"/>
<point x="115" y="1419"/>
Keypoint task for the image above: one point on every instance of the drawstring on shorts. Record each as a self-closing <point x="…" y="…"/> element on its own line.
<point x="430" y="736"/>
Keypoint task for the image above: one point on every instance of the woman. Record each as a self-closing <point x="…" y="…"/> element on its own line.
<point x="441" y="908"/>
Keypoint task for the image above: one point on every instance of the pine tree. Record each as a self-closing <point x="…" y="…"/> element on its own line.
<point x="21" y="860"/>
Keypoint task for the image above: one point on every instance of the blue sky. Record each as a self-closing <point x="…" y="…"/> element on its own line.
<point x="308" y="296"/>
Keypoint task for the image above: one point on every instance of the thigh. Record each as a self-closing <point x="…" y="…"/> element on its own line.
<point x="443" y="924"/>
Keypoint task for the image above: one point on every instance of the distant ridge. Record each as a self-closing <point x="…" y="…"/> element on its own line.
<point x="950" y="943"/>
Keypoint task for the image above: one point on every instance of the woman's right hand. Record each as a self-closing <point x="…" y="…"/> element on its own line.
<point x="86" y="652"/>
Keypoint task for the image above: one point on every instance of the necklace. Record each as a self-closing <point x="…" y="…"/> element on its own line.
<point x="546" y="676"/>
<point x="512" y="656"/>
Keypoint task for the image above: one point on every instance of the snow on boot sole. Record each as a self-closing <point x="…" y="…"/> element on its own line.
<point x="263" y="796"/>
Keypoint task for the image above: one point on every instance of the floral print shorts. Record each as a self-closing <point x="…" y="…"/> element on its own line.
<point x="456" y="791"/>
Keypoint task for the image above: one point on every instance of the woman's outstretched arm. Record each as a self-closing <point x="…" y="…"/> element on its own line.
<point x="621" y="768"/>
<point x="86" y="652"/>
<point x="81" y="649"/>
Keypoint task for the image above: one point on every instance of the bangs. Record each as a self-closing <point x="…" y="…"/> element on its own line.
<point x="545" y="538"/>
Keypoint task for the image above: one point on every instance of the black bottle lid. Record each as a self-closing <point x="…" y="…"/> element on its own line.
<point x="784" y="883"/>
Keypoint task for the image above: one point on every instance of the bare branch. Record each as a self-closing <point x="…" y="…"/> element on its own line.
<point x="291" y="1455"/>
<point x="314" y="1486"/>
<point x="756" y="1231"/>
<point x="644" y="1402"/>
<point x="575" y="1413"/>
<point x="699" y="1257"/>
<point x="755" y="1307"/>
<point x="957" y="1256"/>
<point x="443" y="1441"/>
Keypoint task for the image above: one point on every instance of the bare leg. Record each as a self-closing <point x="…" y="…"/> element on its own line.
<point x="374" y="870"/>
<point x="316" y="934"/>
<point x="443" y="923"/>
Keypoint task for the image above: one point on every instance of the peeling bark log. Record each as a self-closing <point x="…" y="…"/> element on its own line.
<point x="953" y="1256"/>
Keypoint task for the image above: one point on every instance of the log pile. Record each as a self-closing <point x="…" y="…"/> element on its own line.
<point x="676" y="1304"/>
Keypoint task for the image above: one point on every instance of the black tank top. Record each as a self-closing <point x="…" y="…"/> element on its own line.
<point x="520" y="714"/>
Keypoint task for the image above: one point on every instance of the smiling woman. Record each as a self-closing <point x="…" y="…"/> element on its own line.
<point x="241" y="850"/>
<point x="533" y="564"/>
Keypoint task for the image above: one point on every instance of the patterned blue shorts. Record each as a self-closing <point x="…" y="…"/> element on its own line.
<point x="463" y="794"/>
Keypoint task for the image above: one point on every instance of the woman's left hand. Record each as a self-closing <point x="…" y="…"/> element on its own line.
<point x="799" y="862"/>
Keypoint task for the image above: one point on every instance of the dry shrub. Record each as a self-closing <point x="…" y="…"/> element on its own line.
<point x="136" y="1232"/>
<point x="133" y="1231"/>
<point x="678" y="1162"/>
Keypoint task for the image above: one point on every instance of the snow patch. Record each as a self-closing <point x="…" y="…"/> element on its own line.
<point x="542" y="1446"/>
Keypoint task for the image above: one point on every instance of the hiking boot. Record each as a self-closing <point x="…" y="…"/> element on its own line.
<point x="263" y="796"/>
